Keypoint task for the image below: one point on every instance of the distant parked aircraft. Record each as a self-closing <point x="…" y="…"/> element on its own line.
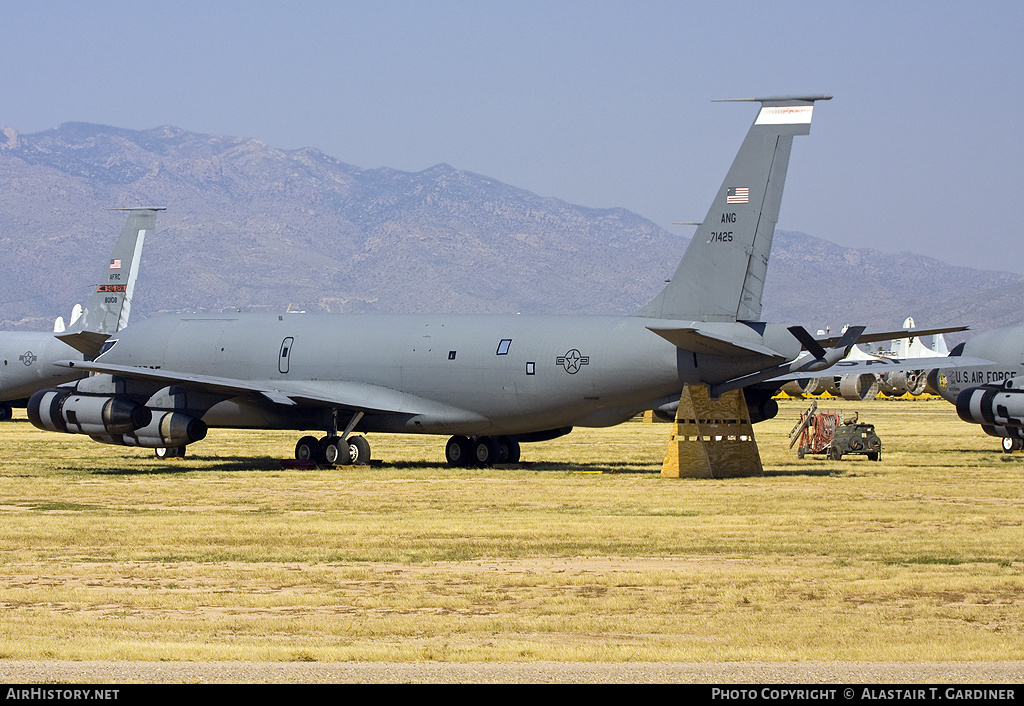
<point x="990" y="395"/>
<point x="28" y="357"/>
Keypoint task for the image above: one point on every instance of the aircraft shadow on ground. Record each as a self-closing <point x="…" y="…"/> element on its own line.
<point x="995" y="451"/>
<point x="814" y="472"/>
<point x="534" y="466"/>
<point x="235" y="464"/>
<point x="223" y="464"/>
<point x="241" y="464"/>
<point x="154" y="466"/>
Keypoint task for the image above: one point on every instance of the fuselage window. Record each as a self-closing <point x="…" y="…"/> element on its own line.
<point x="504" y="346"/>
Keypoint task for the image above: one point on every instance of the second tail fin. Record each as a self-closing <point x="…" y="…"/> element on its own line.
<point x="721" y="276"/>
<point x="108" y="309"/>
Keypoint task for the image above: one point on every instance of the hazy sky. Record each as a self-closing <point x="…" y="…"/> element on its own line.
<point x="599" y="103"/>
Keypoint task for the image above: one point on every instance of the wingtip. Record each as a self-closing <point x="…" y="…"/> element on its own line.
<point x="779" y="100"/>
<point x="140" y="208"/>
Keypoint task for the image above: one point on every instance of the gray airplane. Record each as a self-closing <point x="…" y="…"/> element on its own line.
<point x="29" y="356"/>
<point x="991" y="395"/>
<point x="491" y="382"/>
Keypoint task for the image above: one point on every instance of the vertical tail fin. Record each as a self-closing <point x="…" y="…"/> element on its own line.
<point x="721" y="276"/>
<point x="108" y="309"/>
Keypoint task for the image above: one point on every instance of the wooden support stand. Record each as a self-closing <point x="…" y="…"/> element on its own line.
<point x="712" y="438"/>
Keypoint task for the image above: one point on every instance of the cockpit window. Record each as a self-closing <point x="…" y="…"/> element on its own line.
<point x="106" y="347"/>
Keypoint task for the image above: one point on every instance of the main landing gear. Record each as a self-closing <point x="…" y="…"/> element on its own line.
<point x="353" y="451"/>
<point x="482" y="451"/>
<point x="336" y="447"/>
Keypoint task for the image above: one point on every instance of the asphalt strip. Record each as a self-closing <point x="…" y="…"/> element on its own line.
<point x="31" y="672"/>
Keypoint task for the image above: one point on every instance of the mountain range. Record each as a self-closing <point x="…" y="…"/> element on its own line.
<point x="254" y="228"/>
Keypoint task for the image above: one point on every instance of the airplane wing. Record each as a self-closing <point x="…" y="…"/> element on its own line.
<point x="892" y="335"/>
<point x="357" y="396"/>
<point x="885" y="365"/>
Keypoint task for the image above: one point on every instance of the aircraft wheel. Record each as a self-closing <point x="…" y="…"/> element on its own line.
<point x="308" y="449"/>
<point x="359" y="451"/>
<point x="485" y="451"/>
<point x="6" y="412"/>
<point x="514" y="449"/>
<point x="506" y="449"/>
<point x="169" y="452"/>
<point x="334" y="450"/>
<point x="1010" y="445"/>
<point x="501" y="449"/>
<point x="458" y="451"/>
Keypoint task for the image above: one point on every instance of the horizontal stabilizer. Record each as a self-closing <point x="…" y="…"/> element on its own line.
<point x="88" y="342"/>
<point x="706" y="343"/>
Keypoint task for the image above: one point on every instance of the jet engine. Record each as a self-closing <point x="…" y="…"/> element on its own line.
<point x="994" y="406"/>
<point x="65" y="410"/>
<point x="798" y="388"/>
<point x="760" y="404"/>
<point x="112" y="419"/>
<point x="858" y="387"/>
<point x="167" y="429"/>
<point x="892" y="384"/>
<point x="913" y="381"/>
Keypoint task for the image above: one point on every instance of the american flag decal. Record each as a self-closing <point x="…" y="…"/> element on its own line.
<point x="737" y="194"/>
<point x="115" y="264"/>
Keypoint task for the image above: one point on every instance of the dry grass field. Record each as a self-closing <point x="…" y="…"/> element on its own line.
<point x="582" y="553"/>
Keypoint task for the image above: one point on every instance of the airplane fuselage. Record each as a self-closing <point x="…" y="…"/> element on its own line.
<point x="459" y="374"/>
<point x="1003" y="346"/>
<point x="989" y="395"/>
<point x="491" y="381"/>
<point x="26" y="363"/>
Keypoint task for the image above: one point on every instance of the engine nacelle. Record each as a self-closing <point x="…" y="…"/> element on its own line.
<point x="798" y="388"/>
<point x="66" y="410"/>
<point x="892" y="384"/>
<point x="760" y="404"/>
<point x="167" y="429"/>
<point x="858" y="387"/>
<point x="993" y="405"/>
